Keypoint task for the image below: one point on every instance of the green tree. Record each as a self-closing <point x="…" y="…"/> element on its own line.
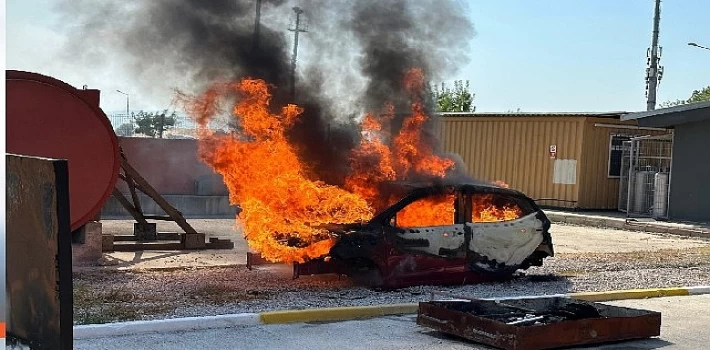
<point x="458" y="99"/>
<point x="701" y="95"/>
<point x="154" y="124"/>
<point x="125" y="129"/>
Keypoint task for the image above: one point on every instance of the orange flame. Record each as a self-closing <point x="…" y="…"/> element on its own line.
<point x="374" y="162"/>
<point x="371" y="163"/>
<point x="501" y="183"/>
<point x="486" y="210"/>
<point x="282" y="206"/>
<point x="431" y="211"/>
<point x="265" y="177"/>
<point x="412" y="151"/>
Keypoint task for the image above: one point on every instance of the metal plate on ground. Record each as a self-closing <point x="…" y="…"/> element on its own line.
<point x="543" y="323"/>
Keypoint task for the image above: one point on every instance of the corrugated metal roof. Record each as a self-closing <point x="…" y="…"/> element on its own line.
<point x="689" y="107"/>
<point x="614" y="115"/>
<point x="669" y="117"/>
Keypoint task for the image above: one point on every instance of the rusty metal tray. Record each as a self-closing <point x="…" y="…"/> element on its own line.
<point x="519" y="324"/>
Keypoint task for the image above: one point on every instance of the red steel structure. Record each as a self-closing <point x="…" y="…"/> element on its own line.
<point x="49" y="118"/>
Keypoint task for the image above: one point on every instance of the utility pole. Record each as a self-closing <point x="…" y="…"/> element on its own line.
<point x="257" y="24"/>
<point x="654" y="72"/>
<point x="296" y="29"/>
<point x="128" y="102"/>
<point x="162" y="125"/>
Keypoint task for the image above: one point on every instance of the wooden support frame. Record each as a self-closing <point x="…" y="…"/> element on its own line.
<point x="135" y="181"/>
<point x="191" y="239"/>
<point x="130" y="207"/>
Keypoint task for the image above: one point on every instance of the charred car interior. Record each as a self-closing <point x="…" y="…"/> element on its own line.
<point x="471" y="233"/>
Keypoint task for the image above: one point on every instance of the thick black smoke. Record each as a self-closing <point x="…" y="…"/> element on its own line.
<point x="399" y="35"/>
<point x="391" y="45"/>
<point x="197" y="42"/>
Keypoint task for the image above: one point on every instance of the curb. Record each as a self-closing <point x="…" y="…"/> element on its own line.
<point x="624" y="294"/>
<point x="339" y="313"/>
<point x="622" y="224"/>
<point x="168" y="325"/>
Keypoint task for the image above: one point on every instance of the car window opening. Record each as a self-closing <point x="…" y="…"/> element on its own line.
<point x="494" y="208"/>
<point x="435" y="210"/>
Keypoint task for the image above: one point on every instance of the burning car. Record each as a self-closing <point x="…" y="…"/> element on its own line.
<point x="474" y="233"/>
<point x="446" y="230"/>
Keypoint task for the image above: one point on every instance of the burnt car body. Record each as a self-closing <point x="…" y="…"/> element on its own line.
<point x="382" y="254"/>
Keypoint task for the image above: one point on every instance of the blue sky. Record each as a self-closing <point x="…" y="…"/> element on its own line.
<point x="590" y="55"/>
<point x="536" y="55"/>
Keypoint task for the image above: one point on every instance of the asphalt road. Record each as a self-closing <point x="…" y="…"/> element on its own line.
<point x="684" y="326"/>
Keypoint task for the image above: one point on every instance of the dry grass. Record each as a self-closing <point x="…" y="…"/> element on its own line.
<point x="92" y="306"/>
<point x="220" y="294"/>
<point x="110" y="296"/>
<point x="117" y="313"/>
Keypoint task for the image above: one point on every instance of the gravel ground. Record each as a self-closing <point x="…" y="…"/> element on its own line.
<point x="105" y="295"/>
<point x="199" y="283"/>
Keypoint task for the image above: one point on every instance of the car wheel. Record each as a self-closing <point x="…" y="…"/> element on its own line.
<point x="371" y="278"/>
<point x="366" y="273"/>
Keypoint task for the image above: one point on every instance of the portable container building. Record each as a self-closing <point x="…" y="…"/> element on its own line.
<point x="566" y="160"/>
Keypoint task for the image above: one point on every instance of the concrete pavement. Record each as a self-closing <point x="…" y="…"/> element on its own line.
<point x="684" y="326"/>
<point x="618" y="220"/>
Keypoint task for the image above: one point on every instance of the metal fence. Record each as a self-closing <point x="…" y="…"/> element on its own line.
<point x="646" y="178"/>
<point x="624" y="176"/>
<point x="125" y="126"/>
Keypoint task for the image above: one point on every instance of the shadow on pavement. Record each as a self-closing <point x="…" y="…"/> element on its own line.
<point x="641" y="344"/>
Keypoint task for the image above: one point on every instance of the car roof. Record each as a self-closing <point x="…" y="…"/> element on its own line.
<point x="457" y="184"/>
<point x="418" y="188"/>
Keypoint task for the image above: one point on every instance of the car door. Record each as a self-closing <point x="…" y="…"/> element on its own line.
<point x="500" y="233"/>
<point x="428" y="240"/>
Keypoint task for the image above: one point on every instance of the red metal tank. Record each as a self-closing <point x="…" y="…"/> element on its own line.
<point x="49" y="118"/>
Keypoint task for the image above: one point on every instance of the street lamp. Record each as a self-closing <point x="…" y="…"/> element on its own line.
<point x="700" y="46"/>
<point x="128" y="113"/>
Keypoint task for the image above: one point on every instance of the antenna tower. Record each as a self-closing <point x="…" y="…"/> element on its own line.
<point x="654" y="71"/>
